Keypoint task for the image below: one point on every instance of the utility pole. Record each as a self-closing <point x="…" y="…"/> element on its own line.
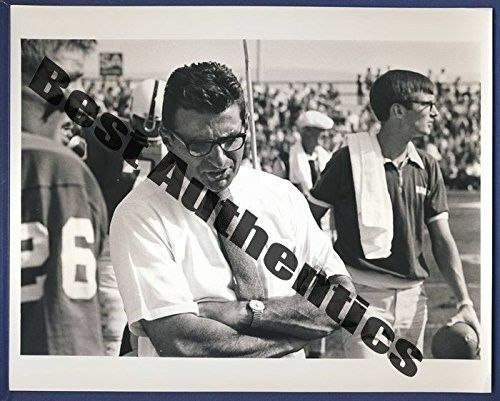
<point x="258" y="61"/>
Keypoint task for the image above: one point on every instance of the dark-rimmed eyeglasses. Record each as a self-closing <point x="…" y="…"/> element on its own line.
<point x="429" y="103"/>
<point x="228" y="143"/>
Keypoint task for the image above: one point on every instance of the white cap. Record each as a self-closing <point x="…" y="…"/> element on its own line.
<point x="142" y="97"/>
<point x="314" y="119"/>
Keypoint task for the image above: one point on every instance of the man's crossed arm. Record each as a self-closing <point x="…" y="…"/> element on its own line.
<point x="224" y="329"/>
<point x="188" y="335"/>
<point x="292" y="315"/>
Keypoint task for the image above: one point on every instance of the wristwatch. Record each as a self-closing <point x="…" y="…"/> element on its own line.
<point x="257" y="307"/>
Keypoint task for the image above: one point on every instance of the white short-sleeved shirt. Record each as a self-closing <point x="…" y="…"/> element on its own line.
<point x="167" y="259"/>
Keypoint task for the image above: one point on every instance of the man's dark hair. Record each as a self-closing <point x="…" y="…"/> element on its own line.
<point x="206" y="87"/>
<point x="34" y="50"/>
<point x="396" y="86"/>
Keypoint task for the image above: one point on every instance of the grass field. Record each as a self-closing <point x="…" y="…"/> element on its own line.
<point x="465" y="225"/>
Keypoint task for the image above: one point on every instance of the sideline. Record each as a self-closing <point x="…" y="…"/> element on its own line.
<point x="48" y="82"/>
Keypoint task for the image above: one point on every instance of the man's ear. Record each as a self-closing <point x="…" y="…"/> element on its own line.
<point x="397" y="110"/>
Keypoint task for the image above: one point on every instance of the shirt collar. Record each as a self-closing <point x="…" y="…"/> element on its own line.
<point x="411" y="155"/>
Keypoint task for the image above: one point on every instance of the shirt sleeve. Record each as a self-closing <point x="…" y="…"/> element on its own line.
<point x="436" y="203"/>
<point x="152" y="285"/>
<point x="324" y="192"/>
<point x="313" y="244"/>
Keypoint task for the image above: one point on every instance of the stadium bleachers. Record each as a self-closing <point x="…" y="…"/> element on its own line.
<point x="455" y="142"/>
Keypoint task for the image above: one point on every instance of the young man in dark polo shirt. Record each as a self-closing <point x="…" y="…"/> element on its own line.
<point x="403" y="102"/>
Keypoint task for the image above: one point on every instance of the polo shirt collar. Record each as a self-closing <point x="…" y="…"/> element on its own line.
<point x="414" y="156"/>
<point x="411" y="155"/>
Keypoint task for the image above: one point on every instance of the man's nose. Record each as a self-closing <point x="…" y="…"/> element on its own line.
<point x="434" y="111"/>
<point x="217" y="156"/>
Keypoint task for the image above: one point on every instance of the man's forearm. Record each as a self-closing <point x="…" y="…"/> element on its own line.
<point x="292" y="315"/>
<point x="193" y="336"/>
<point x="451" y="268"/>
<point x="296" y="316"/>
<point x="448" y="260"/>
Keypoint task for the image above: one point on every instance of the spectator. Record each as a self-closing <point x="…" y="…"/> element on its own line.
<point x="441" y="81"/>
<point x="368" y="79"/>
<point x="307" y="157"/>
<point x="359" y="90"/>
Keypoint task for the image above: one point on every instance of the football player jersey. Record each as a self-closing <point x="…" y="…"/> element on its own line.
<point x="64" y="223"/>
<point x="116" y="177"/>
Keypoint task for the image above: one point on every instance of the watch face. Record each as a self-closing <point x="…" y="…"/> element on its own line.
<point x="256" y="305"/>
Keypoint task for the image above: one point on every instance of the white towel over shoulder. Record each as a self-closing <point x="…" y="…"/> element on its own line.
<point x="372" y="196"/>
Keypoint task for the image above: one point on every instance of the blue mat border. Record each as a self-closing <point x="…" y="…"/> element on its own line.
<point x="6" y="394"/>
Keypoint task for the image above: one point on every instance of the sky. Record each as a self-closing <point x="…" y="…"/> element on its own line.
<point x="295" y="60"/>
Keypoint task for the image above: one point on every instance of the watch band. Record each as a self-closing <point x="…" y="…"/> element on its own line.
<point x="257" y="316"/>
<point x="257" y="307"/>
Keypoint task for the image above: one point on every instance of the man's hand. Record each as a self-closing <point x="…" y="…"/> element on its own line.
<point x="468" y="315"/>
<point x="447" y="257"/>
<point x="344" y="281"/>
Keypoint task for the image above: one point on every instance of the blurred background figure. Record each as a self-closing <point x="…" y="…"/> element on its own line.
<point x="307" y="157"/>
<point x="360" y="93"/>
<point x="441" y="82"/>
<point x="117" y="177"/>
<point x="70" y="137"/>
<point x="368" y="79"/>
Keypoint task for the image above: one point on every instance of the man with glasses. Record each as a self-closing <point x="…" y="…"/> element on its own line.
<point x="390" y="274"/>
<point x="187" y="289"/>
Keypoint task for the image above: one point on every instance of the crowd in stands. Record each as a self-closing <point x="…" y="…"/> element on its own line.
<point x="455" y="141"/>
<point x="111" y="95"/>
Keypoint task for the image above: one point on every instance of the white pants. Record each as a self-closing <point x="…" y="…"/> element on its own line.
<point x="404" y="310"/>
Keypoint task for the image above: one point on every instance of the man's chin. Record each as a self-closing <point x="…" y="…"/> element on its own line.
<point x="421" y="134"/>
<point x="218" y="185"/>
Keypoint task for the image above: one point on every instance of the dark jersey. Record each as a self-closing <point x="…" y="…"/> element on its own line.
<point x="417" y="194"/>
<point x="115" y="176"/>
<point x="64" y="223"/>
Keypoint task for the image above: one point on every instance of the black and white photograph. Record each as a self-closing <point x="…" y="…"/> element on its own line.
<point x="219" y="187"/>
